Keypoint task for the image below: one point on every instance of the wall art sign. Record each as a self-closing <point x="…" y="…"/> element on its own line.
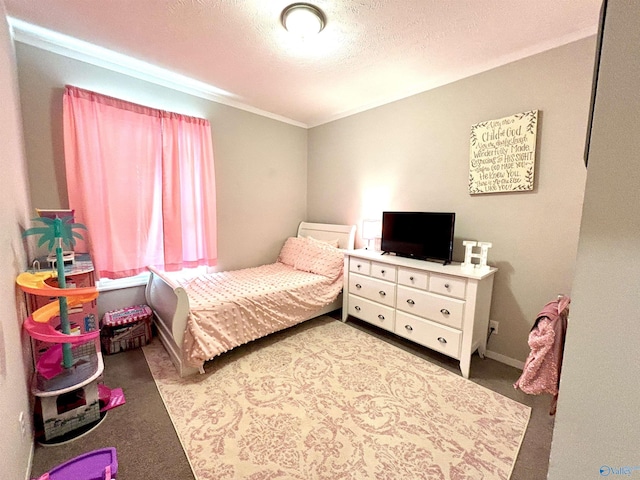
<point x="503" y="154"/>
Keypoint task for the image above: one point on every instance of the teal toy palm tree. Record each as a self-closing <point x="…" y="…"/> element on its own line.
<point x="58" y="232"/>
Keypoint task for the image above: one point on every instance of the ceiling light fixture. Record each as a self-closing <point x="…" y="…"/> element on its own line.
<point x="303" y="19"/>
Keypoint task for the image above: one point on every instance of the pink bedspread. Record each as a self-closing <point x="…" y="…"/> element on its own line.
<point x="228" y="309"/>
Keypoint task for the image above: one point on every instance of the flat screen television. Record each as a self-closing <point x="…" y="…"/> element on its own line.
<point x="421" y="235"/>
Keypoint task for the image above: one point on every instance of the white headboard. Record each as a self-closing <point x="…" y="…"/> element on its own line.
<point x="345" y="234"/>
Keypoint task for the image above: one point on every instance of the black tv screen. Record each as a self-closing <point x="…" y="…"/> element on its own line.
<point x="421" y="235"/>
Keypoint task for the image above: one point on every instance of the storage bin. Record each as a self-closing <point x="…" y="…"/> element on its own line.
<point x="126" y="328"/>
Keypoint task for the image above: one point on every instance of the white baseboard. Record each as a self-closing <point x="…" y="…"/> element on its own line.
<point x="30" y="465"/>
<point x="512" y="362"/>
<point x="105" y="284"/>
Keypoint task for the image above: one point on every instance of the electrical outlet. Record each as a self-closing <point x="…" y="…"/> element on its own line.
<point x="493" y="326"/>
<point x="23" y="425"/>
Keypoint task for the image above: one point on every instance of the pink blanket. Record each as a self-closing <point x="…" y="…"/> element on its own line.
<point x="228" y="309"/>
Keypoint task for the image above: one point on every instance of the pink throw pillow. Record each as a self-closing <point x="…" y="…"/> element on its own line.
<point x="330" y="263"/>
<point x="320" y="258"/>
<point x="307" y="255"/>
<point x="291" y="250"/>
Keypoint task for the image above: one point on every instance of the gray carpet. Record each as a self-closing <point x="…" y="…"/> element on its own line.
<point x="140" y="430"/>
<point x="148" y="447"/>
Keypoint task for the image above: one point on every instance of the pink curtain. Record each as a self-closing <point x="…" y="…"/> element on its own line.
<point x="142" y="181"/>
<point x="188" y="174"/>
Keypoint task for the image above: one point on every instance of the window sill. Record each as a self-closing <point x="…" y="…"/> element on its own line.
<point x="107" y="284"/>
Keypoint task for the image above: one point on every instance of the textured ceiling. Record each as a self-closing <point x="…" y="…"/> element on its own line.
<point x="370" y="52"/>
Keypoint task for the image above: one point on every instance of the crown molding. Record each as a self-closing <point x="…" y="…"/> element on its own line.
<point x="70" y="47"/>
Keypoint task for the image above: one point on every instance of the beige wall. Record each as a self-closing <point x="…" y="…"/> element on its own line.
<point x="260" y="163"/>
<point x="411" y="154"/>
<point x="414" y="155"/>
<point x="15" y="363"/>
<point x="598" y="422"/>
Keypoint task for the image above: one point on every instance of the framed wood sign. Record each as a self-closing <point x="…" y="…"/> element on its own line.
<point x="503" y="154"/>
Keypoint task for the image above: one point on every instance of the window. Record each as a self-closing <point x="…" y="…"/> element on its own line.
<point x="142" y="181"/>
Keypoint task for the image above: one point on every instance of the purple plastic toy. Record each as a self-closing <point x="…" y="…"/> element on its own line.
<point x="101" y="464"/>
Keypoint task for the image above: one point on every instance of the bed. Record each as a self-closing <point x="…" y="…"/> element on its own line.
<point x="200" y="316"/>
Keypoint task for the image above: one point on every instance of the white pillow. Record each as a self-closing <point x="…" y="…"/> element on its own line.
<point x="334" y="243"/>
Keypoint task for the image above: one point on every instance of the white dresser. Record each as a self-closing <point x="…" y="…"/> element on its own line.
<point x="443" y="307"/>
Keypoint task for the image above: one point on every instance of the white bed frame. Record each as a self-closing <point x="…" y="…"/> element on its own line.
<point x="170" y="303"/>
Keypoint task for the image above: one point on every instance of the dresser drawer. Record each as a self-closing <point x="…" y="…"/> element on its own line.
<point x="442" y="307"/>
<point x="383" y="271"/>
<point x="360" y="266"/>
<point x="373" y="289"/>
<point x="430" y="334"/>
<point x="447" y="285"/>
<point x="444" y="310"/>
<point x="372" y="312"/>
<point x="413" y="278"/>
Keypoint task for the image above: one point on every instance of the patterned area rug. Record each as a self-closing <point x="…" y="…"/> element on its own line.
<point x="326" y="401"/>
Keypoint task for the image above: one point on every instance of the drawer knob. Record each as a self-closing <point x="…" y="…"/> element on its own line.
<point x="411" y="302"/>
<point x="357" y="308"/>
<point x="358" y="285"/>
<point x="382" y="293"/>
<point x="442" y="340"/>
<point x="382" y="272"/>
<point x="408" y="327"/>
<point x="358" y="266"/>
<point x="444" y="311"/>
<point x="411" y="278"/>
<point x="446" y="285"/>
<point x="381" y="317"/>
